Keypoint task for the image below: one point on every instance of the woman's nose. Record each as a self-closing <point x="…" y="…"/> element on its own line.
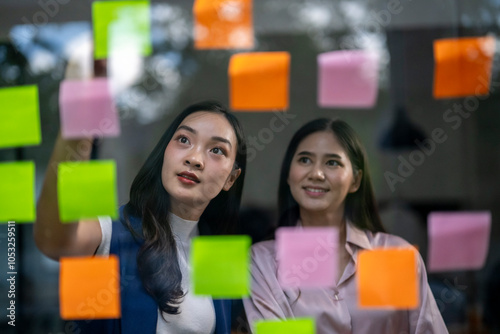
<point x="317" y="173"/>
<point x="194" y="163"/>
<point x="195" y="160"/>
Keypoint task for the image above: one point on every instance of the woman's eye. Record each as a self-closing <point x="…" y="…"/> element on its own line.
<point x="183" y="140"/>
<point x="304" y="160"/>
<point x="332" y="163"/>
<point x="218" y="150"/>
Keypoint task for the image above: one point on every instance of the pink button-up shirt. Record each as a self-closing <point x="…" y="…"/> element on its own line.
<point x="335" y="310"/>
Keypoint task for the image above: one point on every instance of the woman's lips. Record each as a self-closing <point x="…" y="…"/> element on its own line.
<point x="315" y="191"/>
<point x="188" y="178"/>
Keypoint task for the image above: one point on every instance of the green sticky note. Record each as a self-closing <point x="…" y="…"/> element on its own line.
<point x="220" y="266"/>
<point x="17" y="191"/>
<point x="19" y="116"/>
<point x="121" y="26"/>
<point x="86" y="189"/>
<point x="290" y="326"/>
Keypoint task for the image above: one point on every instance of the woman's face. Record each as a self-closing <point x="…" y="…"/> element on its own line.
<point x="198" y="161"/>
<point x="321" y="174"/>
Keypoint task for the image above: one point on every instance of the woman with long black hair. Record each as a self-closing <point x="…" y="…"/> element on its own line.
<point x="191" y="183"/>
<point x="325" y="181"/>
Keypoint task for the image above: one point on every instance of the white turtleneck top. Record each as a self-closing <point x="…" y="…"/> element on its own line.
<point x="197" y="314"/>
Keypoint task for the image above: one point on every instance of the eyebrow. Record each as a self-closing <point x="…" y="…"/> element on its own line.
<point x="187" y="128"/>
<point x="216" y="138"/>
<point x="223" y="140"/>
<point x="329" y="155"/>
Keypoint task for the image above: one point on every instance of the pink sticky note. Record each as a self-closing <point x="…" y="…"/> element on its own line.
<point x="87" y="109"/>
<point x="307" y="257"/>
<point x="458" y="240"/>
<point x="347" y="78"/>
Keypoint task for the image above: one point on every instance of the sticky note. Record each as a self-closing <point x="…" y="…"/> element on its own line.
<point x="220" y="266"/>
<point x="89" y="288"/>
<point x="288" y="326"/>
<point x="388" y="277"/>
<point x="307" y="257"/>
<point x="458" y="240"/>
<point x="19" y="116"/>
<point x="223" y="24"/>
<point x="17" y="191"/>
<point x="87" y="109"/>
<point x="120" y="25"/>
<point x="348" y="78"/>
<point x="259" y="81"/>
<point x="86" y="189"/>
<point x="462" y="66"/>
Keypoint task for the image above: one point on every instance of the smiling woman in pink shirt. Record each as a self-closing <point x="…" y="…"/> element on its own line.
<point x="325" y="181"/>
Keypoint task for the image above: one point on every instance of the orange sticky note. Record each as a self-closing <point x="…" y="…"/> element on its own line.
<point x="388" y="277"/>
<point x="462" y="66"/>
<point x="223" y="24"/>
<point x="89" y="288"/>
<point x="259" y="81"/>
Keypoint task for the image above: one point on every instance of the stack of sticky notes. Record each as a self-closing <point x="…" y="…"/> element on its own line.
<point x="223" y="24"/>
<point x="462" y="66"/>
<point x="458" y="240"/>
<point x="348" y="78"/>
<point x="89" y="288"/>
<point x="259" y="81"/>
<point x="220" y="266"/>
<point x="19" y="126"/>
<point x="121" y="27"/>
<point x="307" y="257"/>
<point x="87" y="109"/>
<point x="388" y="277"/>
<point x="86" y="189"/>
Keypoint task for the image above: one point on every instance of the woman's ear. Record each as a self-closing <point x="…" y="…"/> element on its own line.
<point x="358" y="176"/>
<point x="231" y="179"/>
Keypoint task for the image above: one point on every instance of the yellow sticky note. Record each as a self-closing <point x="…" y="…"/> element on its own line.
<point x="462" y="66"/>
<point x="388" y="277"/>
<point x="19" y="116"/>
<point x="86" y="190"/>
<point x="289" y="326"/>
<point x="259" y="81"/>
<point x="17" y="191"/>
<point x="121" y="26"/>
<point x="220" y="266"/>
<point x="223" y="24"/>
<point x="89" y="288"/>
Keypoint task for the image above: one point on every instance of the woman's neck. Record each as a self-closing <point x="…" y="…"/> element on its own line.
<point x="317" y="219"/>
<point x="326" y="219"/>
<point x="185" y="211"/>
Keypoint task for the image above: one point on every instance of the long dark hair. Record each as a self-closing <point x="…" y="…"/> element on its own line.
<point x="360" y="206"/>
<point x="157" y="258"/>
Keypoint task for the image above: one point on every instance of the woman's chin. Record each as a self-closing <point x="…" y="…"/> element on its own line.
<point x="314" y="207"/>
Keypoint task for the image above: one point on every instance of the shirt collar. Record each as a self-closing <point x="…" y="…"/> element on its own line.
<point x="357" y="236"/>
<point x="354" y="235"/>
